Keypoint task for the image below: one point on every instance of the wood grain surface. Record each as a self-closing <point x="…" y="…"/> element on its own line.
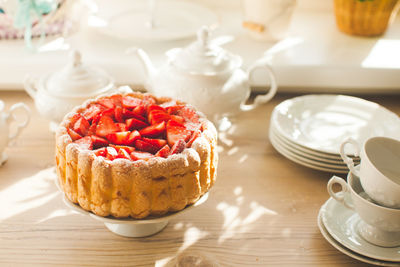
<point x="262" y="211"/>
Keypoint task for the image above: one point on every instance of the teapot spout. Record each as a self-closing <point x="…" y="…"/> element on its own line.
<point x="144" y="60"/>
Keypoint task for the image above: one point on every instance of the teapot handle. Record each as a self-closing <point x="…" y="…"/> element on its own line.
<point x="21" y="124"/>
<point x="261" y="99"/>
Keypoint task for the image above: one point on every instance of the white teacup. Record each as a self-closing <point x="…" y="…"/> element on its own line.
<point x="5" y="120"/>
<point x="379" y="168"/>
<point x="378" y="225"/>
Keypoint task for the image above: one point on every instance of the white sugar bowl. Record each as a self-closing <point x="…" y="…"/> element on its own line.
<point x="57" y="93"/>
<point x="6" y="118"/>
<point x="206" y="76"/>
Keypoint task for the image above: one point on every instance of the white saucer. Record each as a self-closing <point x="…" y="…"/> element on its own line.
<point x="347" y="251"/>
<point x="322" y="122"/>
<point x="130" y="227"/>
<point x="173" y="20"/>
<point x="341" y="224"/>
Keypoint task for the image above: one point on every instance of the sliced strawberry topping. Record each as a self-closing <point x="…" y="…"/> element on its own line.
<point x="153" y="130"/>
<point x="192" y="138"/>
<point x="85" y="142"/>
<point x="127" y="114"/>
<point x="133" y="128"/>
<point x="157" y="116"/>
<point x="92" y="111"/>
<point x="145" y="146"/>
<point x="111" y="153"/>
<point x="138" y="155"/>
<point x="74" y="135"/>
<point x="131" y="102"/>
<point x="133" y="136"/>
<point x="81" y="126"/>
<point x="118" y="115"/>
<point x="176" y="132"/>
<point x="106" y="126"/>
<point x="123" y="154"/>
<point x="118" y="138"/>
<point x="107" y="102"/>
<point x="98" y="141"/>
<point x="163" y="152"/>
<point x="179" y="146"/>
<point x="134" y="124"/>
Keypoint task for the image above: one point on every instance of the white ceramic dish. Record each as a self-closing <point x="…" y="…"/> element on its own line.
<point x="300" y="152"/>
<point x="322" y="122"/>
<point x="347" y="251"/>
<point x="341" y="224"/>
<point x="300" y="160"/>
<point x="326" y="156"/>
<point x="172" y="20"/>
<point x="130" y="227"/>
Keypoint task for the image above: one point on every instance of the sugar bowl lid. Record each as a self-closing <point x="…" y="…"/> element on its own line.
<point x="204" y="57"/>
<point x="77" y="79"/>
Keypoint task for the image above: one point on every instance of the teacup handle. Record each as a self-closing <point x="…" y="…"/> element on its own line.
<point x="349" y="162"/>
<point x="261" y="99"/>
<point x="339" y="197"/>
<point x="20" y="125"/>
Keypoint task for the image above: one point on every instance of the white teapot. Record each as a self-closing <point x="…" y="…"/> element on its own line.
<point x="5" y="120"/>
<point x="206" y="76"/>
<point x="57" y="93"/>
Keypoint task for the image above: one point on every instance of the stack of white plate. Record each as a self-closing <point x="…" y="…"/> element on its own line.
<point x="310" y="129"/>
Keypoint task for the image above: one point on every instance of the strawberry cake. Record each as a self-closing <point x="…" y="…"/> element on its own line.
<point x="135" y="155"/>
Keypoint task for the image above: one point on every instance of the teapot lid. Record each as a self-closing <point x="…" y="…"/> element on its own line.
<point x="77" y="79"/>
<point x="204" y="57"/>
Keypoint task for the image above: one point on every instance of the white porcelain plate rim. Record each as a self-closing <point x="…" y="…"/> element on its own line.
<point x="285" y="119"/>
<point x="299" y="161"/>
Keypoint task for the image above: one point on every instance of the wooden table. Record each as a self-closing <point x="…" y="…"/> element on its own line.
<point x="262" y="210"/>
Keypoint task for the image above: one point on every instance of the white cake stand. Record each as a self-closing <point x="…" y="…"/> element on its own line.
<point x="130" y="227"/>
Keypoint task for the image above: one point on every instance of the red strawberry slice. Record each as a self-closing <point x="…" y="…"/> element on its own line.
<point x="117" y="99"/>
<point x="92" y="129"/>
<point x="101" y="152"/>
<point x="74" y="118"/>
<point x="174" y="123"/>
<point x="127" y="114"/>
<point x="177" y="118"/>
<point x="144" y="146"/>
<point x="163" y="152"/>
<point x="140" y="110"/>
<point x="85" y="142"/>
<point x="81" y="126"/>
<point x="138" y="155"/>
<point x="92" y="111"/>
<point x="107" y="102"/>
<point x="134" y="124"/>
<point x="106" y="126"/>
<point x="175" y="132"/>
<point x="179" y="146"/>
<point x="118" y="138"/>
<point x="74" y="135"/>
<point x="128" y="149"/>
<point x="153" y="130"/>
<point x="159" y="143"/>
<point x="150" y="108"/>
<point x="133" y="136"/>
<point x="98" y="141"/>
<point x="123" y="154"/>
<point x="157" y="116"/>
<point x="118" y="114"/>
<point x="131" y="102"/>
<point x="108" y="112"/>
<point x="111" y="153"/>
<point x="122" y="126"/>
<point x="192" y="138"/>
<point x="188" y="113"/>
<point x="173" y="110"/>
